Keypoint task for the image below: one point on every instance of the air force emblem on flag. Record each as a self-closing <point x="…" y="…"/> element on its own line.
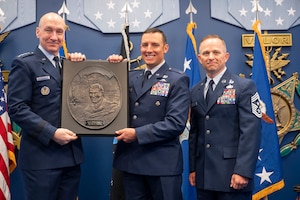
<point x="275" y="14"/>
<point x="109" y="15"/>
<point x="255" y="104"/>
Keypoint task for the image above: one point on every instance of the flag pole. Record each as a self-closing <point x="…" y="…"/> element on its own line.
<point x="269" y="132"/>
<point x="257" y="7"/>
<point x="191" y="68"/>
<point x="191" y="10"/>
<point x="126" y="9"/>
<point x="64" y="11"/>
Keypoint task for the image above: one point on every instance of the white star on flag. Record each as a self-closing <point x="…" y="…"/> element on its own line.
<point x="260" y="150"/>
<point x="186" y="64"/>
<point x="264" y="176"/>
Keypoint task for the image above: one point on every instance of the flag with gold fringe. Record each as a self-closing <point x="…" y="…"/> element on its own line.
<point x="63" y="51"/>
<point x="7" y="155"/>
<point x="191" y="64"/>
<point x="268" y="176"/>
<point x="191" y="68"/>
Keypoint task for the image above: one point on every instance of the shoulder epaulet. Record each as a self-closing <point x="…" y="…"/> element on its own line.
<point x="23" y="55"/>
<point x="136" y="70"/>
<point x="176" y="70"/>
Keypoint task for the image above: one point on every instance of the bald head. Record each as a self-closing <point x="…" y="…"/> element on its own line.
<point x="51" y="32"/>
<point x="51" y="16"/>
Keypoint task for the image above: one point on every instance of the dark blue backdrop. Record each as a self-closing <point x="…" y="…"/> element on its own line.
<point x="96" y="170"/>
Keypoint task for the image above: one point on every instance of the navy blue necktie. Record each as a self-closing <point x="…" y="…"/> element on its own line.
<point x="57" y="64"/>
<point x="146" y="77"/>
<point x="209" y="91"/>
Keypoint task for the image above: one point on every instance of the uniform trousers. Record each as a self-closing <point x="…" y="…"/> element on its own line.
<point x="52" y="184"/>
<point x="143" y="187"/>
<point x="216" y="195"/>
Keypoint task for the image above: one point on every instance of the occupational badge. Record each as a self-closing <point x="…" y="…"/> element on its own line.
<point x="45" y="90"/>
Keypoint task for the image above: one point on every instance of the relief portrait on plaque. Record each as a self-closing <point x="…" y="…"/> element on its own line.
<point x="93" y="97"/>
<point x="99" y="107"/>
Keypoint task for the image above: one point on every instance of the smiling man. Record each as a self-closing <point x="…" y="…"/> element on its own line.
<point x="50" y="156"/>
<point x="148" y="151"/>
<point x="225" y="130"/>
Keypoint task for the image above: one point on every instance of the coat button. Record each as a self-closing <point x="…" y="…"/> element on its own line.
<point x="134" y="117"/>
<point x="137" y="104"/>
<point x="157" y="103"/>
<point x="207" y="117"/>
<point x="207" y="146"/>
<point x="207" y="132"/>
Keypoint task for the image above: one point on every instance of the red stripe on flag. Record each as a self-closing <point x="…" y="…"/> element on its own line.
<point x="7" y="156"/>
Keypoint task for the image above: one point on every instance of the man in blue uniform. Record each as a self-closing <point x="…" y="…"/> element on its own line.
<point x="225" y="132"/>
<point x="50" y="156"/>
<point x="149" y="152"/>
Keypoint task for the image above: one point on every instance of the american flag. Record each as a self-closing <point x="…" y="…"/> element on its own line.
<point x="7" y="155"/>
<point x="63" y="51"/>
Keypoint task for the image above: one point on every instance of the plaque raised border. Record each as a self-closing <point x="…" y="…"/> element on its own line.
<point x="76" y="97"/>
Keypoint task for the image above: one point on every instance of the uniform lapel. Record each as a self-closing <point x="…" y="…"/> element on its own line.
<point x="47" y="66"/>
<point x="158" y="75"/>
<point x="137" y="83"/>
<point x="219" y="89"/>
<point x="201" y="100"/>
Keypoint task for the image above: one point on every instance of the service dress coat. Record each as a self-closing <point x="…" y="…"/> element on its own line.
<point x="158" y="112"/>
<point x="225" y="134"/>
<point x="34" y="100"/>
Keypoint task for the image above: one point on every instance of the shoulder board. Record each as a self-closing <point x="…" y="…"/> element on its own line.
<point x="136" y="70"/>
<point x="23" y="55"/>
<point x="176" y="70"/>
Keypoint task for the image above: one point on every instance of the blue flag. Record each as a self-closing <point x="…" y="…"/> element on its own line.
<point x="191" y="63"/>
<point x="191" y="68"/>
<point x="268" y="176"/>
<point x="63" y="51"/>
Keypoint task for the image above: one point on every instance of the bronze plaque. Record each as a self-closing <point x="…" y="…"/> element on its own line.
<point x="94" y="97"/>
